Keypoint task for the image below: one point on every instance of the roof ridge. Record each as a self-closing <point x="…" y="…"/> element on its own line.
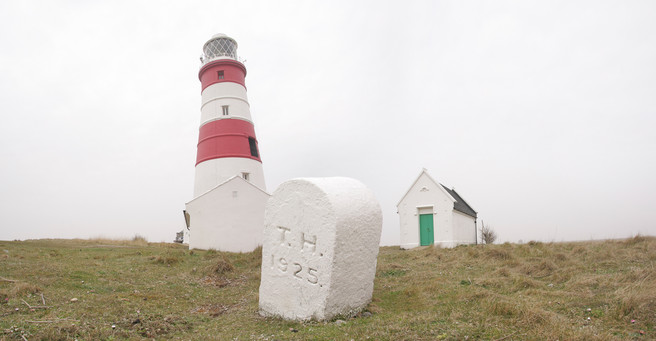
<point x="461" y="204"/>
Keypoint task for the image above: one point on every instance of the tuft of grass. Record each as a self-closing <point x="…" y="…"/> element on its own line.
<point x="578" y="250"/>
<point x="543" y="269"/>
<point x="504" y="272"/>
<point x="637" y="304"/>
<point x="222" y="266"/>
<point x="139" y="240"/>
<point x="392" y="270"/>
<point x="523" y="283"/>
<point x="500" y="306"/>
<point x="211" y="253"/>
<point x="498" y="253"/>
<point x="473" y="252"/>
<point x="168" y="258"/>
<point x="393" y="273"/>
<point x="635" y="240"/>
<point x="23" y="288"/>
<point x="560" y="257"/>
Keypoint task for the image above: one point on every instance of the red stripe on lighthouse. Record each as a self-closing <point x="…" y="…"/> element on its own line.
<point x="226" y="138"/>
<point x="222" y="70"/>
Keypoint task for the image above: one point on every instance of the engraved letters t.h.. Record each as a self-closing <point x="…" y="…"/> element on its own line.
<point x="312" y="243"/>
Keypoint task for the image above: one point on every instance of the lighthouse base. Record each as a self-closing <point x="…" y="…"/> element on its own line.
<point x="229" y="217"/>
<point x="211" y="173"/>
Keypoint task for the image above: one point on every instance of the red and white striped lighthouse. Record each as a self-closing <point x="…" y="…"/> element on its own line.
<point x="227" y="212"/>
<point x="227" y="145"/>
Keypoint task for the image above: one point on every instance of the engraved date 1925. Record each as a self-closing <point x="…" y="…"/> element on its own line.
<point x="295" y="269"/>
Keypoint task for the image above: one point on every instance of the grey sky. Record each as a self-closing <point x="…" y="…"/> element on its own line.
<point x="540" y="113"/>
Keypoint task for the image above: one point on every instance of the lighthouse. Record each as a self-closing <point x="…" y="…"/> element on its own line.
<point x="227" y="211"/>
<point x="227" y="145"/>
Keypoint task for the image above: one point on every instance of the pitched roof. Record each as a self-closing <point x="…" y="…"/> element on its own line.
<point x="425" y="172"/>
<point x="232" y="178"/>
<point x="460" y="205"/>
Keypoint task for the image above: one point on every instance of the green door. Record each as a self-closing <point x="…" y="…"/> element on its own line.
<point x="426" y="229"/>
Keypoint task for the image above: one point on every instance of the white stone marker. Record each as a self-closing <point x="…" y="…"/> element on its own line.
<point x="319" y="251"/>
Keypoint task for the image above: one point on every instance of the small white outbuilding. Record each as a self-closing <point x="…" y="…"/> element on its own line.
<point x="430" y="213"/>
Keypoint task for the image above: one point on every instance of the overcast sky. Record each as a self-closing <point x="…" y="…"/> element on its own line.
<point x="541" y="114"/>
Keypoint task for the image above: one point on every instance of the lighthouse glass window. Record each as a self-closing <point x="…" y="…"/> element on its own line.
<point x="253" y="147"/>
<point x="225" y="110"/>
<point x="221" y="47"/>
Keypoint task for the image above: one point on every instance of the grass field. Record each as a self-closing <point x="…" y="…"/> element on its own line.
<point x="104" y="289"/>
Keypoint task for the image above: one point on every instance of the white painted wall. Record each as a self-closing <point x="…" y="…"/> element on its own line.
<point x="211" y="173"/>
<point x="230" y="217"/>
<point x="225" y="93"/>
<point x="464" y="228"/>
<point x="426" y="195"/>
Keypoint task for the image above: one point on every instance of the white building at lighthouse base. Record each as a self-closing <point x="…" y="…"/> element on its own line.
<point x="228" y="217"/>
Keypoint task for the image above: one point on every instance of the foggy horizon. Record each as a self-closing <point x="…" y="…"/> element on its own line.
<point x="541" y="115"/>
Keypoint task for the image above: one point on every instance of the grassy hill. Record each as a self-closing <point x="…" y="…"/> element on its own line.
<point x="101" y="289"/>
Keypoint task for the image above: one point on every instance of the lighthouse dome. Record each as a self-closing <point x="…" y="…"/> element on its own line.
<point x="219" y="46"/>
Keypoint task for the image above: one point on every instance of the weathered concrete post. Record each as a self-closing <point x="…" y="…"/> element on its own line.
<point x="321" y="240"/>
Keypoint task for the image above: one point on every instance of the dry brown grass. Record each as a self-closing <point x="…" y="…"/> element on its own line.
<point x="636" y="240"/>
<point x="222" y="266"/>
<point x="137" y="240"/>
<point x="637" y="293"/>
<point x="534" y="291"/>
<point x="500" y="254"/>
<point x="168" y="258"/>
<point x="549" y="286"/>
<point x="560" y="257"/>
<point x="20" y="289"/>
<point x="538" y="270"/>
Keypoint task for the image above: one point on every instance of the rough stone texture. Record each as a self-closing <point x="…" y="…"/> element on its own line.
<point x="321" y="239"/>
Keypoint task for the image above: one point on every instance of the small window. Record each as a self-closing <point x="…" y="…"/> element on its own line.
<point x="220" y="74"/>
<point x="253" y="145"/>
<point x="225" y="110"/>
<point x="246" y="176"/>
<point x="187" y="218"/>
